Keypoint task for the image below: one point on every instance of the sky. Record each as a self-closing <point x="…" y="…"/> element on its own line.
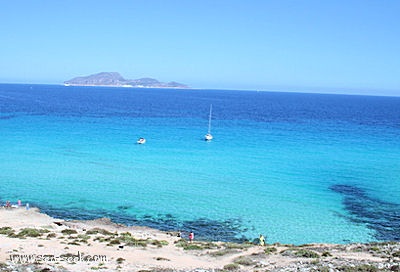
<point x="343" y="46"/>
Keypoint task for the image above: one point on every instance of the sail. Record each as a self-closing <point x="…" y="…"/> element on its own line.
<point x="208" y="136"/>
<point x="209" y="120"/>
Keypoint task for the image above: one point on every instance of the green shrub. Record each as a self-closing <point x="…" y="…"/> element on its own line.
<point x="51" y="235"/>
<point x="29" y="232"/>
<point x="396" y="254"/>
<point x="98" y="231"/>
<point x="68" y="231"/>
<point x="126" y="237"/>
<point x="181" y="243"/>
<point x="193" y="247"/>
<point x="137" y="243"/>
<point x="270" y="250"/>
<point x="243" y="260"/>
<point x="158" y="243"/>
<point x="306" y="253"/>
<point x="83" y="236"/>
<point x="125" y="234"/>
<point x="238" y="246"/>
<point x="114" y="242"/>
<point x="102" y="239"/>
<point x="209" y="245"/>
<point x="6" y="230"/>
<point x="223" y="252"/>
<point x="189" y="246"/>
<point x="231" y="267"/>
<point x="326" y="254"/>
<point x="323" y="269"/>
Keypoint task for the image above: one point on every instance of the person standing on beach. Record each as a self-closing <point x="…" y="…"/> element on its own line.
<point x="262" y="240"/>
<point x="191" y="236"/>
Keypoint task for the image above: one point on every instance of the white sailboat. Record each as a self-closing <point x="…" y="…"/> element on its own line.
<point x="208" y="137"/>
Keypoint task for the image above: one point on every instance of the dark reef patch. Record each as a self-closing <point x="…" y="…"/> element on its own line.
<point x="204" y="229"/>
<point x="380" y="216"/>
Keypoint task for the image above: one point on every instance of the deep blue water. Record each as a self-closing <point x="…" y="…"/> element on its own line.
<point x="298" y="168"/>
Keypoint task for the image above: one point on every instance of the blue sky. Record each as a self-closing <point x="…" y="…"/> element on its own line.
<point x="325" y="46"/>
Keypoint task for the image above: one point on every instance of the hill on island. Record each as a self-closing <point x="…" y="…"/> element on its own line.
<point x="115" y="79"/>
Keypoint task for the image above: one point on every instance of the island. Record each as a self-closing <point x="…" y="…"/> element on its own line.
<point x="114" y="79"/>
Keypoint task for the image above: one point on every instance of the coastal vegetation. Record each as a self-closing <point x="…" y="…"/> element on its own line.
<point x="30" y="232"/>
<point x="6" y="230"/>
<point x="270" y="250"/>
<point x="198" y="245"/>
<point x="164" y="247"/>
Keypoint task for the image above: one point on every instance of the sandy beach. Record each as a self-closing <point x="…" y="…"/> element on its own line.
<point x="30" y="240"/>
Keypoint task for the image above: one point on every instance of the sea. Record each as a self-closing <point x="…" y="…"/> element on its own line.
<point x="296" y="167"/>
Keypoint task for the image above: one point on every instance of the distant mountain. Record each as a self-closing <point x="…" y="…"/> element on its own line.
<point x="115" y="79"/>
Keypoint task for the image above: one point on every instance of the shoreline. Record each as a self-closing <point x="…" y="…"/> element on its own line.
<point x="233" y="234"/>
<point x="100" y="244"/>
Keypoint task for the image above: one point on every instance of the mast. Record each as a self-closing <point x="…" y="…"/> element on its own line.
<point x="209" y="120"/>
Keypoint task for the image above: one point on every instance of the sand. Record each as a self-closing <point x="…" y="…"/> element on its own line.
<point x="147" y="249"/>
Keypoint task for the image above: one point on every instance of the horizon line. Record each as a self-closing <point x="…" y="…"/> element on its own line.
<point x="272" y="89"/>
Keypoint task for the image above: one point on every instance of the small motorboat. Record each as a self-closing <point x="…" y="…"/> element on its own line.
<point x="141" y="141"/>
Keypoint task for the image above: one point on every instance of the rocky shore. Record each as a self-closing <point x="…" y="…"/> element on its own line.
<point x="32" y="241"/>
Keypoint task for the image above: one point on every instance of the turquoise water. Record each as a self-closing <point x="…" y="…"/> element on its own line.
<point x="298" y="168"/>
